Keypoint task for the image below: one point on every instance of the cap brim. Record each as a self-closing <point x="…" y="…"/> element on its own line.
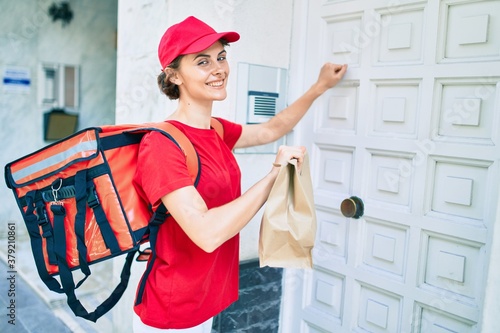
<point x="206" y="41"/>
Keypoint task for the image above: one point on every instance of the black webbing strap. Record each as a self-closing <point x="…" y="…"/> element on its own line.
<point x="156" y="220"/>
<point x="81" y="210"/>
<point x="106" y="231"/>
<point x="80" y="311"/>
<point x="47" y="232"/>
<point x="31" y="221"/>
<point x="65" y="274"/>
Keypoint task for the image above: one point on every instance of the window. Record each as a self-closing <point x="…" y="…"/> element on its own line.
<point x="59" y="86"/>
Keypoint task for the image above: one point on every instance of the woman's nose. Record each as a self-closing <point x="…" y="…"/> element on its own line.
<point x="218" y="69"/>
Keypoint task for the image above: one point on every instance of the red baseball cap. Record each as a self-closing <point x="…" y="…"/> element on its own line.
<point x="189" y="36"/>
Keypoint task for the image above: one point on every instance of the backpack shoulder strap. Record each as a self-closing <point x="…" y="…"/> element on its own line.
<point x="217" y="126"/>
<point x="184" y="144"/>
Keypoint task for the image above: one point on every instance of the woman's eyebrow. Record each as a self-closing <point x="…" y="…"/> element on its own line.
<point x="203" y="55"/>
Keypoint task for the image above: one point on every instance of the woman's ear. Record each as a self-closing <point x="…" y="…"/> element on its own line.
<point x="172" y="75"/>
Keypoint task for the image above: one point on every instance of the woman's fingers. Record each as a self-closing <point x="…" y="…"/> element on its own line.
<point x="287" y="153"/>
<point x="331" y="74"/>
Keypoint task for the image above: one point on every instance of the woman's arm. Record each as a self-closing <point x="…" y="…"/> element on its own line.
<point x="209" y="228"/>
<point x="284" y="121"/>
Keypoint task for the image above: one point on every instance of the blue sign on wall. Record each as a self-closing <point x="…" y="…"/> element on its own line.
<point x="16" y="80"/>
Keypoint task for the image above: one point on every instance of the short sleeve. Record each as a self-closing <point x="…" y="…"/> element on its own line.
<point x="232" y="132"/>
<point x="161" y="167"/>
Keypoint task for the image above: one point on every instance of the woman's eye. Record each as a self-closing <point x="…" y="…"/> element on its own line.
<point x="203" y="62"/>
<point x="222" y="58"/>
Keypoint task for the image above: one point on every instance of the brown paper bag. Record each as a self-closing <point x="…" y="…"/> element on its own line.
<point x="288" y="227"/>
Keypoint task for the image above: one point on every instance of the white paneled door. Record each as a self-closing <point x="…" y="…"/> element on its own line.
<point x="413" y="130"/>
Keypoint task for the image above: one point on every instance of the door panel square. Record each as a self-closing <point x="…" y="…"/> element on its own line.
<point x="326" y="294"/>
<point x="331" y="241"/>
<point x="335" y="170"/>
<point x="378" y="311"/>
<point x="340" y="113"/>
<point x="339" y="107"/>
<point x="395" y="108"/>
<point x="344" y="40"/>
<point x="473" y="29"/>
<point x="432" y="320"/>
<point x="450" y="267"/>
<point x="401" y="34"/>
<point x="385" y="248"/>
<point x="472" y="115"/>
<point x="464" y="110"/>
<point x="459" y="188"/>
<point x="469" y="30"/>
<point x="390" y="180"/>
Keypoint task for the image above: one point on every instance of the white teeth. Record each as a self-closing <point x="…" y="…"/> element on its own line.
<point x="216" y="84"/>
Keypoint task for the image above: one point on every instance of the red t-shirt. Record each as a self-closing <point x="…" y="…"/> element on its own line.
<point x="187" y="285"/>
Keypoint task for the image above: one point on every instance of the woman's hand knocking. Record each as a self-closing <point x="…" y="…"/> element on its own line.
<point x="329" y="75"/>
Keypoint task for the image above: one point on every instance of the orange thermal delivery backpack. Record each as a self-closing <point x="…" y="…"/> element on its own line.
<point x="80" y="207"/>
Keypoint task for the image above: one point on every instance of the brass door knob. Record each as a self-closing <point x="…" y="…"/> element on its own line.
<point x="352" y="207"/>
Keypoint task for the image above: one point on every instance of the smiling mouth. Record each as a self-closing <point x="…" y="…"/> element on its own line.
<point x="216" y="83"/>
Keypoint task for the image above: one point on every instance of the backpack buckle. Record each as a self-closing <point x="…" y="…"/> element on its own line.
<point x="43" y="222"/>
<point x="158" y="218"/>
<point x="42" y="217"/>
<point x="92" y="198"/>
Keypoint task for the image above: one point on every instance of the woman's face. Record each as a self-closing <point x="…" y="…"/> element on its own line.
<point x="203" y="76"/>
